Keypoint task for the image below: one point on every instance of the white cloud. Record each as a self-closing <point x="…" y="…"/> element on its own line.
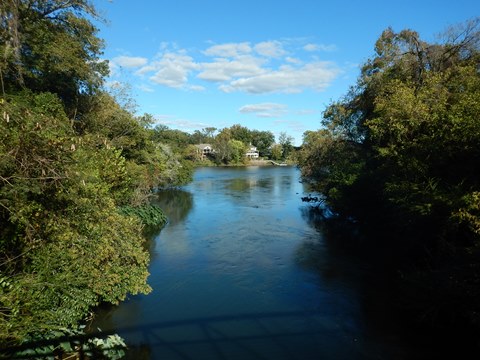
<point x="266" y="67"/>
<point x="145" y="88"/>
<point x="178" y="123"/>
<point x="145" y="69"/>
<point x="293" y="60"/>
<point x="293" y="125"/>
<point x="319" y="47"/>
<point x="130" y="61"/>
<point x="272" y="49"/>
<point x="304" y="112"/>
<point x="225" y="70"/>
<point x="113" y="68"/>
<point x="171" y="70"/>
<point x="287" y="79"/>
<point x="196" y="88"/>
<point x="266" y="110"/>
<point x="229" y="50"/>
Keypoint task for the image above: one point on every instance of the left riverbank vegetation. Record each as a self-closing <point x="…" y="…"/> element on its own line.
<point x="77" y="168"/>
<point x="399" y="155"/>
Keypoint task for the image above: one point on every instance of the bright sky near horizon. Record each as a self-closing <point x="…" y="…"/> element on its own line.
<point x="264" y="64"/>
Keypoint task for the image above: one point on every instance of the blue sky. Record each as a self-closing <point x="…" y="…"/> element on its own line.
<point x="267" y="65"/>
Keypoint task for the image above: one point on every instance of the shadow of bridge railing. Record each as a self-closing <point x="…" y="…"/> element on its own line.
<point x="248" y="334"/>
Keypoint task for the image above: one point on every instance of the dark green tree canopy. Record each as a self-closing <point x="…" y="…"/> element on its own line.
<point x="409" y="125"/>
<point x="263" y="140"/>
<point x="401" y="152"/>
<point x="51" y="46"/>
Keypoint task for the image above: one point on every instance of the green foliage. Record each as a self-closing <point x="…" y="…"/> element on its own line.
<point x="286" y="142"/>
<point x="263" y="140"/>
<point x="221" y="146"/>
<point x="407" y="134"/>
<point x="228" y="150"/>
<point x="175" y="138"/>
<point x="150" y="215"/>
<point x="204" y="136"/>
<point x="231" y="145"/>
<point x="276" y="152"/>
<point x="237" y="151"/>
<point x="334" y="163"/>
<point x="401" y="151"/>
<point x="70" y="156"/>
<point x="66" y="343"/>
<point x="49" y="46"/>
<point x="64" y="246"/>
<point x="241" y="133"/>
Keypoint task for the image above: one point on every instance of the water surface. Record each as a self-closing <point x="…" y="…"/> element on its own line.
<point x="240" y="272"/>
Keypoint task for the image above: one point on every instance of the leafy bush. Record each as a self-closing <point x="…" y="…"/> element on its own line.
<point x="150" y="215"/>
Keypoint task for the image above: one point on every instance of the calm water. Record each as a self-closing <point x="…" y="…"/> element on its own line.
<point x="241" y="272"/>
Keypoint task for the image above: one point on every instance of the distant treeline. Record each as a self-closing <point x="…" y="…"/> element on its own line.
<point x="230" y="144"/>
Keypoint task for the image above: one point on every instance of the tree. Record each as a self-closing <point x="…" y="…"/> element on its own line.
<point x="276" y="152"/>
<point x="72" y="159"/>
<point x="175" y="138"/>
<point x="286" y="142"/>
<point x="405" y="125"/>
<point x="263" y="140"/>
<point x="241" y="133"/>
<point x="65" y="247"/>
<point x="401" y="152"/>
<point x="209" y="133"/>
<point x="221" y="145"/>
<point x="237" y="151"/>
<point x="51" y="46"/>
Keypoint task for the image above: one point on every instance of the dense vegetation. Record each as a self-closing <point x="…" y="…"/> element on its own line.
<point x="400" y="154"/>
<point x="230" y="143"/>
<point x="76" y="172"/>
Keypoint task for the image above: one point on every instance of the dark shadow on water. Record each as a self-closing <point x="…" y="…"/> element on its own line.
<point x="372" y="268"/>
<point x="247" y="336"/>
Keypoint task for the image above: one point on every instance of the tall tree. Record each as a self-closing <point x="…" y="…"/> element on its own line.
<point x="263" y="140"/>
<point x="241" y="133"/>
<point x="223" y="151"/>
<point x="209" y="133"/>
<point x="286" y="141"/>
<point x="50" y="45"/>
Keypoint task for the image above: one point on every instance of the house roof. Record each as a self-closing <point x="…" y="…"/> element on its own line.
<point x="203" y="146"/>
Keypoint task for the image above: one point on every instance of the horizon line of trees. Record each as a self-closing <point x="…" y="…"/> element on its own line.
<point x="230" y="143"/>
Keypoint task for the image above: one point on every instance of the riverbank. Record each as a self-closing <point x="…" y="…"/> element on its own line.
<point x="263" y="162"/>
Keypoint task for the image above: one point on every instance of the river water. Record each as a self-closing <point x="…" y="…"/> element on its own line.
<point x="242" y="272"/>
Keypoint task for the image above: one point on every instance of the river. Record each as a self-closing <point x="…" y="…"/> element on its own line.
<point x="242" y="272"/>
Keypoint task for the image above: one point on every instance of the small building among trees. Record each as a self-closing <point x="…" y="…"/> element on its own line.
<point x="203" y="150"/>
<point x="252" y="152"/>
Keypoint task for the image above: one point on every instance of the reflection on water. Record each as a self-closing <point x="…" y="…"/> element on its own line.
<point x="240" y="272"/>
<point x="176" y="203"/>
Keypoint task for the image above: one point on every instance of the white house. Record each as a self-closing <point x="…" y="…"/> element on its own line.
<point x="204" y="150"/>
<point x="252" y="152"/>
